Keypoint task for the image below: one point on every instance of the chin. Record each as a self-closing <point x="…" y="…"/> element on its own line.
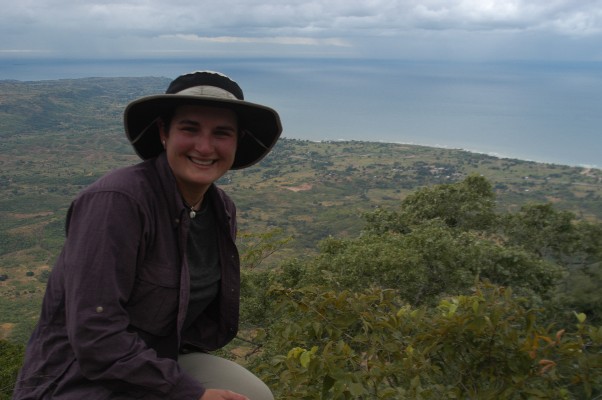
<point x="205" y="180"/>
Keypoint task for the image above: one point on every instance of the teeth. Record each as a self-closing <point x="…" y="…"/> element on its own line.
<point x="201" y="162"/>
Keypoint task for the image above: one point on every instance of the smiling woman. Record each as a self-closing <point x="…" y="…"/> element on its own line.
<point x="148" y="281"/>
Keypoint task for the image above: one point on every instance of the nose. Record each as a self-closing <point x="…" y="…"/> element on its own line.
<point x="204" y="143"/>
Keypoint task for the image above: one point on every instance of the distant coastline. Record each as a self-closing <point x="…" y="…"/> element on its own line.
<point x="529" y="111"/>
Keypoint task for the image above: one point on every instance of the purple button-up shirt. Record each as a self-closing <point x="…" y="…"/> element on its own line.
<point x="112" y="316"/>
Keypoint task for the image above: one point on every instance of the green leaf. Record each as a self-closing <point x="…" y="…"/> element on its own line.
<point x="357" y="389"/>
<point x="475" y="306"/>
<point x="294" y="352"/>
<point x="327" y="383"/>
<point x="305" y="358"/>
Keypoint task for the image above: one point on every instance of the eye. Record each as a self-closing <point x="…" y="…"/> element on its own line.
<point x="188" y="128"/>
<point x="224" y="132"/>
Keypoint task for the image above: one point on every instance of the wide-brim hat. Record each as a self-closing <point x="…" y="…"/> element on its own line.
<point x="259" y="126"/>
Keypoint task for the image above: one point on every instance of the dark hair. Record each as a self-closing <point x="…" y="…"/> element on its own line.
<point x="165" y="117"/>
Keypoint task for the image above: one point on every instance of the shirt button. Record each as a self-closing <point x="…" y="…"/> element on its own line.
<point x="99" y="309"/>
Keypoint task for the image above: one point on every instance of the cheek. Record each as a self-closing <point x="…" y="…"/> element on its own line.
<point x="178" y="144"/>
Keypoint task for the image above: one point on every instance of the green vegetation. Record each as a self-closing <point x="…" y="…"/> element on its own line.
<point x="483" y="345"/>
<point x="11" y="358"/>
<point x="440" y="298"/>
<point x="371" y="270"/>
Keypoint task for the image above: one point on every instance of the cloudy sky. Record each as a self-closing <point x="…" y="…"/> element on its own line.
<point x="404" y="29"/>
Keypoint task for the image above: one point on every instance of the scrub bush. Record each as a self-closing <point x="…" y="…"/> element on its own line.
<point x="486" y="345"/>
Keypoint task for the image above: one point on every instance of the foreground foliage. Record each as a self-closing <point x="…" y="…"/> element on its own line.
<point x="485" y="345"/>
<point x="11" y="358"/>
<point x="443" y="298"/>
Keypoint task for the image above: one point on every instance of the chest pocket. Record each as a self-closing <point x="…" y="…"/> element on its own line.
<point x="153" y="305"/>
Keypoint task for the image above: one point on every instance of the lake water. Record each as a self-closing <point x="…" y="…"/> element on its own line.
<point x="547" y="112"/>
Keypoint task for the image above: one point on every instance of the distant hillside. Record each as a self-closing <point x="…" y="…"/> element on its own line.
<point x="59" y="136"/>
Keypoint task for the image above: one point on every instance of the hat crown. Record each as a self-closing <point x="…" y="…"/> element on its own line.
<point x="205" y="78"/>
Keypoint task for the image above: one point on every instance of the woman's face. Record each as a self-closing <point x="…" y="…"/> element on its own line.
<point x="201" y="144"/>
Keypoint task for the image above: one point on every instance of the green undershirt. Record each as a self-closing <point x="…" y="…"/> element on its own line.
<point x="203" y="262"/>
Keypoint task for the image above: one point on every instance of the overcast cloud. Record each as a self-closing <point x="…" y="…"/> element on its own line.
<point x="405" y="29"/>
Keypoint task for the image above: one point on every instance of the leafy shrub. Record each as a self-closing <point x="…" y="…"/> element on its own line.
<point x="486" y="345"/>
<point x="11" y="359"/>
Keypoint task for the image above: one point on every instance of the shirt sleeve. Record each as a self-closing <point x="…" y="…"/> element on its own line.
<point x="105" y="233"/>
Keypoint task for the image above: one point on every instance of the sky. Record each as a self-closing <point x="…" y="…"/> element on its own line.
<point x="405" y="29"/>
<point x="513" y="78"/>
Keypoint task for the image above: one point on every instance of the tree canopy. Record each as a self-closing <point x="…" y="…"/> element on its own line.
<point x="444" y="297"/>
